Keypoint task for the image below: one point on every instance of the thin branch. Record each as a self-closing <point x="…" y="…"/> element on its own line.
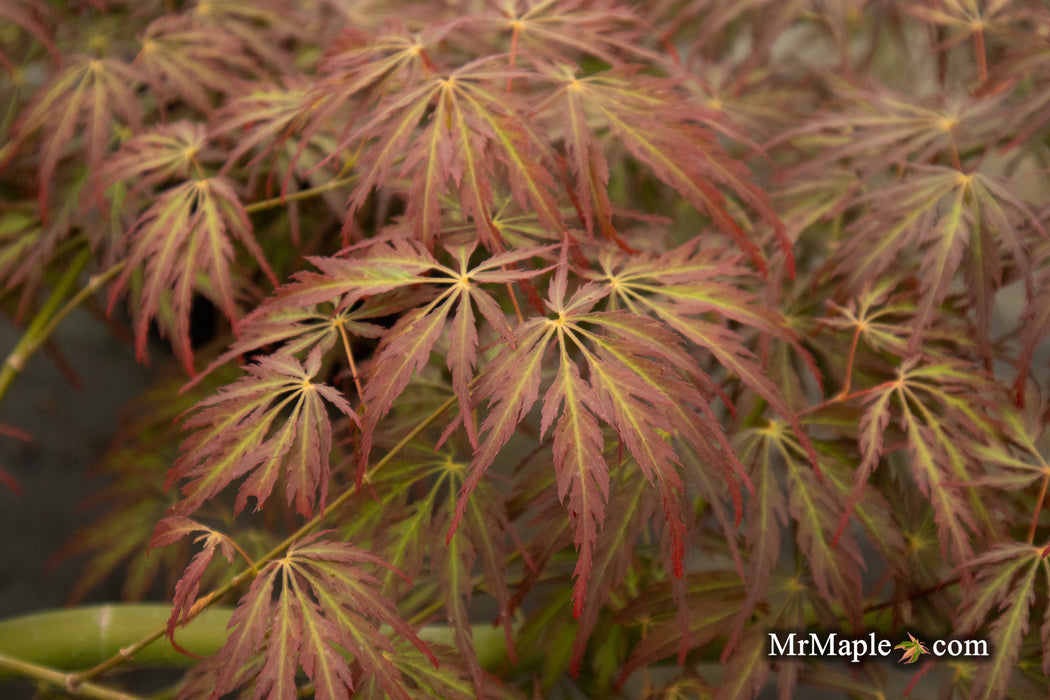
<point x="1038" y="509"/>
<point x="50" y="315"/>
<point x="63" y="680"/>
<point x="272" y="202"/>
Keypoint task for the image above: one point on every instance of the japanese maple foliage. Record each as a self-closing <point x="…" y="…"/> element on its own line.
<point x="656" y="326"/>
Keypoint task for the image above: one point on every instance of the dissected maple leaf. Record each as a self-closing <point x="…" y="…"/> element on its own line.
<point x="183" y="240"/>
<point x="297" y="330"/>
<point x="388" y="266"/>
<point x="640" y="381"/>
<point x="470" y="130"/>
<point x="1015" y="452"/>
<point x="150" y="158"/>
<point x="940" y="413"/>
<point x="568" y="29"/>
<point x="949" y="214"/>
<point x="362" y="67"/>
<point x="884" y="128"/>
<point x="307" y="610"/>
<point x="835" y="560"/>
<point x="679" y="288"/>
<point x="183" y="58"/>
<point x="274" y="420"/>
<point x="407" y="347"/>
<point x="712" y="600"/>
<point x="267" y="121"/>
<point x="965" y="19"/>
<point x="265" y="30"/>
<point x="85" y="94"/>
<point x="449" y="680"/>
<point x="658" y="130"/>
<point x="1006" y="588"/>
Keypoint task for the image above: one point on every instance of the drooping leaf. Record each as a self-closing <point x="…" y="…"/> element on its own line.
<point x="83" y="97"/>
<point x="952" y="216"/>
<point x="184" y="242"/>
<point x="680" y="152"/>
<point x="184" y="58"/>
<point x="638" y="383"/>
<point x="149" y="159"/>
<point x="305" y="610"/>
<point x="708" y="613"/>
<point x="172" y="529"/>
<point x="273" y="421"/>
<point x="407" y="348"/>
<point x="681" y="286"/>
<point x="1005" y="589"/>
<point x="937" y="415"/>
<point x="633" y="503"/>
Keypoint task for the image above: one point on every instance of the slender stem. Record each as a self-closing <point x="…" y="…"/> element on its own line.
<point x="46" y="320"/>
<point x="251" y="564"/>
<point x="350" y="360"/>
<point x="956" y="161"/>
<point x="514" y="301"/>
<point x="93" y="285"/>
<point x="847" y="397"/>
<point x="850" y="359"/>
<point x="916" y="596"/>
<point x="272" y="202"/>
<point x="1038" y="509"/>
<point x="982" y="55"/>
<point x="66" y="681"/>
<point x="124" y="654"/>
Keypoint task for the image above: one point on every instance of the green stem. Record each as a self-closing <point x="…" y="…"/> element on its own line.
<point x="44" y="323"/>
<point x="302" y="194"/>
<point x="62" y="680"/>
<point x="84" y="636"/>
<point x="47" y="645"/>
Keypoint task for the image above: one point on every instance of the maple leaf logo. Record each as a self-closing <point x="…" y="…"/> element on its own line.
<point x="913" y="649"/>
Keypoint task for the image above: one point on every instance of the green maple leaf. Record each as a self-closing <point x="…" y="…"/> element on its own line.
<point x="913" y="649"/>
